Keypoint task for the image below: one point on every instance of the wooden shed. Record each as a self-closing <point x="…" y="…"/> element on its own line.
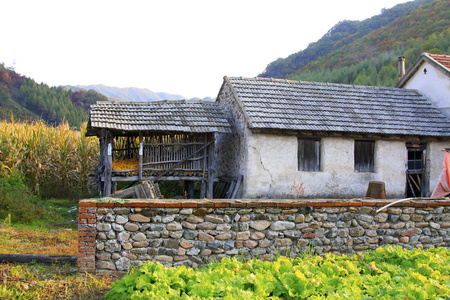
<point x="164" y="140"/>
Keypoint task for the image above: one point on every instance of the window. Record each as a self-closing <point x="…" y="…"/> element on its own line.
<point x="308" y="155"/>
<point x="364" y="156"/>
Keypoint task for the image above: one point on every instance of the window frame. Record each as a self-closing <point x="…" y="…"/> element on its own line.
<point x="364" y="156"/>
<point x="309" y="154"/>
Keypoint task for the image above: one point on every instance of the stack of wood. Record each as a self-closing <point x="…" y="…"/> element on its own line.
<point x="145" y="190"/>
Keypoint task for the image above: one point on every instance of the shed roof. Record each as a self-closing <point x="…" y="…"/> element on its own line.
<point x="174" y="116"/>
<point x="311" y="106"/>
<point x="439" y="61"/>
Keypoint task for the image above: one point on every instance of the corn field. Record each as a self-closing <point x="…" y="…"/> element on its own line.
<point x="54" y="160"/>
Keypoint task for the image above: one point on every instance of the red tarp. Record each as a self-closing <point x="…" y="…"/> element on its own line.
<point x="443" y="187"/>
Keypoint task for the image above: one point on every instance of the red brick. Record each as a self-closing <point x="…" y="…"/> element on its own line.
<point x="87" y="204"/>
<point x="433" y="205"/>
<point x="86" y="239"/>
<point x="139" y="204"/>
<point x="86" y="216"/>
<point x="327" y="204"/>
<point x="173" y="204"/>
<point x="237" y="205"/>
<point x="82" y="210"/>
<point x="221" y="204"/>
<point x="341" y="204"/>
<point x="206" y="204"/>
<point x="315" y="204"/>
<point x="254" y="204"/>
<point x="90" y="221"/>
<point x="356" y="204"/>
<point x="82" y="234"/>
<point x="299" y="204"/>
<point x="189" y="204"/>
<point x="82" y="221"/>
<point x="105" y="204"/>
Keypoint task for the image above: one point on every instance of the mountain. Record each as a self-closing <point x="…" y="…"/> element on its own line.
<point x="22" y="99"/>
<point x="126" y="94"/>
<point x="365" y="52"/>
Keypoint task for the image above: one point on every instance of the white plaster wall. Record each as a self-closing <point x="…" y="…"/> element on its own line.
<point x="435" y="85"/>
<point x="272" y="168"/>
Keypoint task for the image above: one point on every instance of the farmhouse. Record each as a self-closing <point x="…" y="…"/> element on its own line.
<point x="294" y="139"/>
<point x="168" y="140"/>
<point x="430" y="75"/>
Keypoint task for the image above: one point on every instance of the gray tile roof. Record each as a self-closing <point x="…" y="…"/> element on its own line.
<point x="178" y="116"/>
<point x="295" y="105"/>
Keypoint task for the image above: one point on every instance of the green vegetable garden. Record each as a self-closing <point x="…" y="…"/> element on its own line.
<point x="387" y="273"/>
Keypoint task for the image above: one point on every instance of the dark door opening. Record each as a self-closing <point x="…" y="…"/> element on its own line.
<point x="415" y="170"/>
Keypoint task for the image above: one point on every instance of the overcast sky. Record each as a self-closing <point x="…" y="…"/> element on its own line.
<point x="182" y="47"/>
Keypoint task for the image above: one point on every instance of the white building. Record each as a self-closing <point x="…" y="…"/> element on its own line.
<point x="430" y="76"/>
<point x="294" y="139"/>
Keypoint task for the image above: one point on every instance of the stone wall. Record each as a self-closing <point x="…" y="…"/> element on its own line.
<point x="114" y="237"/>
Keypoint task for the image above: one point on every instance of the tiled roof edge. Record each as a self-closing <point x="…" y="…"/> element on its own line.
<point x="331" y="84"/>
<point x="155" y="102"/>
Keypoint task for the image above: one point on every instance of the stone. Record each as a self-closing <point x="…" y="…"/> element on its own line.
<point x="315" y="224"/>
<point x="186" y="211"/>
<point x="171" y="243"/>
<point x="189" y="234"/>
<point x="139" y="237"/>
<point x="205" y="252"/>
<point x="223" y="227"/>
<point x="393" y="218"/>
<point x="140" y="244"/>
<point x="257" y="236"/>
<point x="309" y="235"/>
<point x="180" y="258"/>
<point x="244" y="218"/>
<point x="186" y="244"/>
<point x="371" y="233"/>
<point x="174" y="226"/>
<point x="328" y="225"/>
<point x="332" y="218"/>
<point x="123" y="264"/>
<point x="167" y="219"/>
<point x="105" y="265"/>
<point x="372" y="240"/>
<point x="201" y="212"/>
<point x="319" y="233"/>
<point x="127" y="246"/>
<point x="271" y="211"/>
<point x="409" y="232"/>
<point x="416" y="218"/>
<point x="164" y="258"/>
<point x="130" y="256"/>
<point x="250" y="244"/>
<point x="366" y="218"/>
<point x="435" y="225"/>
<point x="405" y="218"/>
<point x="299" y="218"/>
<point x="225" y="236"/>
<point x="425" y="239"/>
<point x="117" y="227"/>
<point x="381" y="217"/>
<point x="283" y="242"/>
<point x="260" y="225"/>
<point x="103" y="227"/>
<point x="103" y="210"/>
<point x="404" y="239"/>
<point x="176" y="234"/>
<point x="243" y="226"/>
<point x="193" y="251"/>
<point x="194" y="220"/>
<point x="158" y="227"/>
<point x="308" y="218"/>
<point x="244" y="235"/>
<point x="264" y="244"/>
<point x="282" y="225"/>
<point x="398" y="225"/>
<point x="188" y="225"/>
<point x="409" y="210"/>
<point x="421" y="224"/>
<point x="213" y="219"/>
<point x="394" y="211"/>
<point x="100" y="246"/>
<point x="139" y="218"/>
<point x="348" y="216"/>
<point x="153" y="234"/>
<point x="103" y="256"/>
<point x="121" y="219"/>
<point x="131" y="227"/>
<point x="356" y="231"/>
<point x="202" y="236"/>
<point x="206" y="226"/>
<point x="111" y="235"/>
<point x="320" y="217"/>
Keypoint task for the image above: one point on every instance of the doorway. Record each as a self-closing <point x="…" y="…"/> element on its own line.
<point x="415" y="170"/>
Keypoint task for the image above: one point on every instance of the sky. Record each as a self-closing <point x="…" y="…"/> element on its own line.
<point x="182" y="47"/>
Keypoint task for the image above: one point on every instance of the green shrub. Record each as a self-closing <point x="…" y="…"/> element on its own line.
<point x="17" y="199"/>
<point x="387" y="273"/>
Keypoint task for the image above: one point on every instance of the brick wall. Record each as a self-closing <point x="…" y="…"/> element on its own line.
<point x="113" y="237"/>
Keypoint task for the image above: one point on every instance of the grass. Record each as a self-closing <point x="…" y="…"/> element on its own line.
<point x="45" y="281"/>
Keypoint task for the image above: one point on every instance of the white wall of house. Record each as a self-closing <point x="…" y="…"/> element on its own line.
<point x="272" y="168"/>
<point x="435" y="85"/>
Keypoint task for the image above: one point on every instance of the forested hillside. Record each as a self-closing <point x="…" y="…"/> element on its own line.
<point x="22" y="99"/>
<point x="126" y="94"/>
<point x="366" y="52"/>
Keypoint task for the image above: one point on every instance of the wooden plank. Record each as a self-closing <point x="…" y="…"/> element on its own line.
<point x="236" y="188"/>
<point x="29" y="258"/>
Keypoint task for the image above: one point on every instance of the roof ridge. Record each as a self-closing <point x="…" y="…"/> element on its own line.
<point x="319" y="83"/>
<point x="155" y="102"/>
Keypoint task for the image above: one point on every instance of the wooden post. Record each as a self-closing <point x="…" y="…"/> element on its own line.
<point x="205" y="165"/>
<point x="210" y="178"/>
<point x="141" y="153"/>
<point x="108" y="171"/>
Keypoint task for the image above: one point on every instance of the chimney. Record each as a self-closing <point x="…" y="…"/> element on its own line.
<point x="401" y="67"/>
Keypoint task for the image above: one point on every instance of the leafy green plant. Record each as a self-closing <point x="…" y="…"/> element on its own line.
<point x="387" y="273"/>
